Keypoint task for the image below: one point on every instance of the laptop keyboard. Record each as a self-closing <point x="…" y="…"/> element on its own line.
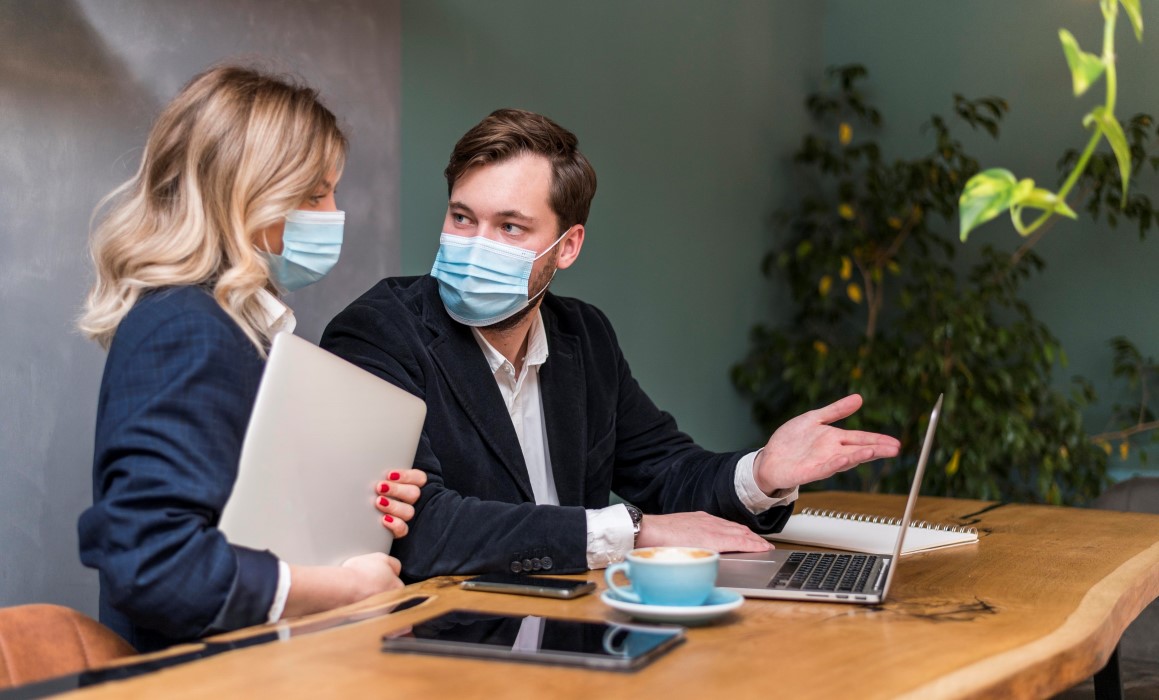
<point x="815" y="571"/>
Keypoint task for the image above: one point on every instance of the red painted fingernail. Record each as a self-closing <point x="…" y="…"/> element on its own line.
<point x="395" y="476"/>
<point x="383" y="487"/>
<point x="388" y="519"/>
<point x="383" y="502"/>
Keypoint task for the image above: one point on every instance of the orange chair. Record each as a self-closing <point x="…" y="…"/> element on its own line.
<point x="43" y="641"/>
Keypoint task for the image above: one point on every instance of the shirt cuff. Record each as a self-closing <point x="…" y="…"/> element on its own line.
<point x="281" y="594"/>
<point x="610" y="535"/>
<point x="749" y="493"/>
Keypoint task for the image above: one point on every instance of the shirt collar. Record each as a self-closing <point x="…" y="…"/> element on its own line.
<point x="536" y="346"/>
<point x="279" y="317"/>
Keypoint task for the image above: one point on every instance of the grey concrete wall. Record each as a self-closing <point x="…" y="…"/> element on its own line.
<point x="80" y="84"/>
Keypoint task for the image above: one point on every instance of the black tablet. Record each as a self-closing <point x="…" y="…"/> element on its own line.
<point x="549" y="640"/>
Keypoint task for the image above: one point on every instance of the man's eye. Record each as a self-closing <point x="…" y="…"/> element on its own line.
<point x="511" y="228"/>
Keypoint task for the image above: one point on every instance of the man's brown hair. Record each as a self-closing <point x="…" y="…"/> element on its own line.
<point x="507" y="133"/>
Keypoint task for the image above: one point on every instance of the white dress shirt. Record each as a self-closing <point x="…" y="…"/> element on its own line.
<point x="610" y="535"/>
<point x="280" y="318"/>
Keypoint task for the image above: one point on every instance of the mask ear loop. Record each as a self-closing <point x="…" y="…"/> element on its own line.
<point x="271" y="286"/>
<point x="537" y="257"/>
<point x="548" y="248"/>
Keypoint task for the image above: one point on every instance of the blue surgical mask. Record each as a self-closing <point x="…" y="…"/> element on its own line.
<point x="311" y="243"/>
<point x="481" y="281"/>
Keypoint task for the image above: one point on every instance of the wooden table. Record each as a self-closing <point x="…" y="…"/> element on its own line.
<point x="1036" y="606"/>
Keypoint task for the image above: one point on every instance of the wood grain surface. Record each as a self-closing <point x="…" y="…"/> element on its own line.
<point x="1034" y="607"/>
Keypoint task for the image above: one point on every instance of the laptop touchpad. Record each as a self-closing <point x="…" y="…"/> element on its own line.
<point x="735" y="573"/>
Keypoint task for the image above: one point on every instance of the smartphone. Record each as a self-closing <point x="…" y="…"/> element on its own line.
<point x="545" y="586"/>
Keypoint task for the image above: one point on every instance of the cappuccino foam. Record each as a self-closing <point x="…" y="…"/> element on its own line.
<point x="672" y="554"/>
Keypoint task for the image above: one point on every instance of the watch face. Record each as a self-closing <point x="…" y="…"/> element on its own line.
<point x="636" y="514"/>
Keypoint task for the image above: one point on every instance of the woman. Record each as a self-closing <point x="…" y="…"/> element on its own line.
<point x="233" y="201"/>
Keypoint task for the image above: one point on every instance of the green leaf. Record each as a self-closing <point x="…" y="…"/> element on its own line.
<point x="1135" y="15"/>
<point x="985" y="196"/>
<point x="1038" y="198"/>
<point x="1085" y="68"/>
<point x="1111" y="128"/>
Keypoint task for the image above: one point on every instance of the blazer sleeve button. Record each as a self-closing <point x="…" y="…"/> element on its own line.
<point x="536" y="564"/>
<point x="527" y="565"/>
<point x="546" y="563"/>
<point x="516" y="567"/>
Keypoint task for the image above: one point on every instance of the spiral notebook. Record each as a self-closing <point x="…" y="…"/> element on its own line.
<point x="872" y="534"/>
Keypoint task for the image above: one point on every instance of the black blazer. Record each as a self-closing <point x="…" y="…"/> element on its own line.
<point x="176" y="396"/>
<point x="477" y="512"/>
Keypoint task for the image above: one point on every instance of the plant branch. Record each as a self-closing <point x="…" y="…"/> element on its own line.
<point x="898" y="240"/>
<point x="873" y="299"/>
<point x="1030" y="243"/>
<point x="1126" y="432"/>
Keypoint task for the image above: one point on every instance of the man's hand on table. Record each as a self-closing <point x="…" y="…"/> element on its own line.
<point x="698" y="530"/>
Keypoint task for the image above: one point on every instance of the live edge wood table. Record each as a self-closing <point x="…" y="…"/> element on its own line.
<point x="1035" y="607"/>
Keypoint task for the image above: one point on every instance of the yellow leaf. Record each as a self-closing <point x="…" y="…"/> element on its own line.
<point x="1063" y="452"/>
<point x="855" y="373"/>
<point x="1124" y="449"/>
<point x="845" y="133"/>
<point x="854" y="292"/>
<point x="955" y="461"/>
<point x="821" y="348"/>
<point x="894" y="222"/>
<point x="824" y="285"/>
<point x="1105" y="445"/>
<point x="845" y="211"/>
<point x="846" y="267"/>
<point x="893" y="267"/>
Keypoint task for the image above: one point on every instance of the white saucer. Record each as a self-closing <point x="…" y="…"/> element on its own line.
<point x="721" y="602"/>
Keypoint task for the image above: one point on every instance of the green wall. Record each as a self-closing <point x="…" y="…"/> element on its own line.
<point x="688" y="111"/>
<point x="1098" y="282"/>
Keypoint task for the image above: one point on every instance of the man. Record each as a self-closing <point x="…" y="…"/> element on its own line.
<point x="533" y="417"/>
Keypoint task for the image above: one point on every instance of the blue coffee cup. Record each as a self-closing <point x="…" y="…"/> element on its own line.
<point x="677" y="576"/>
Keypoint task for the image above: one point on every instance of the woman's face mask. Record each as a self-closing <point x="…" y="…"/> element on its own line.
<point x="311" y="244"/>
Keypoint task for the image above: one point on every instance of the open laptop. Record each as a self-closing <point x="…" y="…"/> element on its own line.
<point x="322" y="433"/>
<point x="825" y="576"/>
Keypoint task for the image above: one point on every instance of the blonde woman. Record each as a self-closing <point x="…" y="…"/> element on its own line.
<point x="234" y="201"/>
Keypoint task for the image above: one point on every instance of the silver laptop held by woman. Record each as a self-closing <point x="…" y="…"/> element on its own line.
<point x="322" y="433"/>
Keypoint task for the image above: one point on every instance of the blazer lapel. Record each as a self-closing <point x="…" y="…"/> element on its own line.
<point x="470" y="380"/>
<point x="564" y="393"/>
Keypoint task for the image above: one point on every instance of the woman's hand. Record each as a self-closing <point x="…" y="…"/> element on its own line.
<point x="317" y="588"/>
<point x="396" y="497"/>
<point x="373" y="573"/>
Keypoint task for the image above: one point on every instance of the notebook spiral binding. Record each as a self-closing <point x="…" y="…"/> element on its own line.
<point x="883" y="520"/>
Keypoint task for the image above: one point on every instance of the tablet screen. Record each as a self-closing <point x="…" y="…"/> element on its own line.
<point x="537" y="639"/>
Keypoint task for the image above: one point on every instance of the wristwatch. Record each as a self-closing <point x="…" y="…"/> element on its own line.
<point x="637" y="516"/>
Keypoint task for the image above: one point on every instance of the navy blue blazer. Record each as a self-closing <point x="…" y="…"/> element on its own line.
<point x="477" y="512"/>
<point x="178" y="388"/>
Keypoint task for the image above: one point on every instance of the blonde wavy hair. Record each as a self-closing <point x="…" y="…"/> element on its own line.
<point x="230" y="156"/>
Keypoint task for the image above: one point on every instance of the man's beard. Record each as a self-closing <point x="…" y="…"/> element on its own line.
<point x="542" y="280"/>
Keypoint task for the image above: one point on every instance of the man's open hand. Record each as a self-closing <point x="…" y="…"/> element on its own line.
<point x="808" y="448"/>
